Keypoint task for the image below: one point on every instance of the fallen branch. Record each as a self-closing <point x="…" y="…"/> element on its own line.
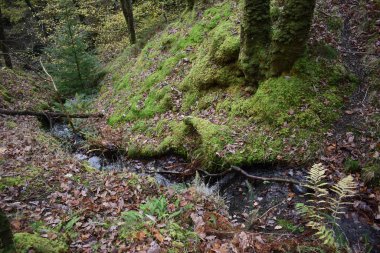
<point x="49" y="114"/>
<point x="271" y="179"/>
<point x="237" y="169"/>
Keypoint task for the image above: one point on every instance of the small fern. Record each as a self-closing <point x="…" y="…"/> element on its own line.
<point x="321" y="210"/>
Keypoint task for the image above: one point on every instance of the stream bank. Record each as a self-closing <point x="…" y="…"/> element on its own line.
<point x="267" y="207"/>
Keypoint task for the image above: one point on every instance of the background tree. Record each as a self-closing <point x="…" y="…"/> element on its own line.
<point x="6" y="236"/>
<point x="72" y="66"/>
<point x="3" y="45"/>
<point x="127" y="8"/>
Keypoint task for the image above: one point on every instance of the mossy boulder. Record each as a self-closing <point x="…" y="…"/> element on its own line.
<point x="216" y="62"/>
<point x="209" y="140"/>
<point x="26" y="242"/>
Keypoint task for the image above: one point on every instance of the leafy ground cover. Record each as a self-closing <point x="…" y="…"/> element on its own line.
<point x="183" y="94"/>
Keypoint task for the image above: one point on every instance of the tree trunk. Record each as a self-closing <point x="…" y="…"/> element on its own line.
<point x="3" y="45"/>
<point x="6" y="237"/>
<point x="293" y="32"/>
<point x="255" y="39"/>
<point x="126" y="6"/>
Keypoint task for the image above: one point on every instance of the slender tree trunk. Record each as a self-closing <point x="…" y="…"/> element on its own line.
<point x="126" y="6"/>
<point x="255" y="39"/>
<point x="6" y="237"/>
<point x="3" y="45"/>
<point x="293" y="32"/>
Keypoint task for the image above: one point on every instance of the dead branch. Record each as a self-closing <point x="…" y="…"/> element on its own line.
<point x="237" y="169"/>
<point x="271" y="179"/>
<point x="49" y="114"/>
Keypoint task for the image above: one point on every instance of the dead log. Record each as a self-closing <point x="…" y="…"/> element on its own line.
<point x="48" y="114"/>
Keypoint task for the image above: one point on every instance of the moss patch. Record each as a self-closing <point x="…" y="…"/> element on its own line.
<point x="25" y="242"/>
<point x="28" y="174"/>
<point x="371" y="174"/>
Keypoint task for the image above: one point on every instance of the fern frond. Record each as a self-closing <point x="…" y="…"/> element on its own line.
<point x="343" y="189"/>
<point x="316" y="174"/>
<point x="326" y="235"/>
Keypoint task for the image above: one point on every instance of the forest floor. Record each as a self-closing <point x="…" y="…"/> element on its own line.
<point x="69" y="206"/>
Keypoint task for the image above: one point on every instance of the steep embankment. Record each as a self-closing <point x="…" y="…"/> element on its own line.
<point x="184" y="93"/>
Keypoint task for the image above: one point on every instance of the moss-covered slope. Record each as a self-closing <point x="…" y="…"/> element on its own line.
<point x="185" y="93"/>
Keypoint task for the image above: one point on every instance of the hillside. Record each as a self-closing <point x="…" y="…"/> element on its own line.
<point x="191" y="154"/>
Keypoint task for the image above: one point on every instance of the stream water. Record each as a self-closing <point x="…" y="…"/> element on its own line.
<point x="270" y="202"/>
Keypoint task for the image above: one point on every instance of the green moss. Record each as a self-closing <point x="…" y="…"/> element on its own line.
<point x="351" y="166"/>
<point x="334" y="23"/>
<point x="326" y="51"/>
<point x="284" y="118"/>
<point x="28" y="173"/>
<point x="25" y="242"/>
<point x="215" y="65"/>
<point x="371" y="174"/>
<point x="4" y="94"/>
<point x="10" y="124"/>
<point x="11" y="182"/>
<point x="205" y="140"/>
<point x="88" y="168"/>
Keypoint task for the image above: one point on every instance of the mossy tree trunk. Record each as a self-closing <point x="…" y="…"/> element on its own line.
<point x="126" y="6"/>
<point x="3" y="45"/>
<point x="6" y="237"/>
<point x="291" y="35"/>
<point x="255" y="38"/>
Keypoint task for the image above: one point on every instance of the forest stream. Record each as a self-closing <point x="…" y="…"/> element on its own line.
<point x="247" y="202"/>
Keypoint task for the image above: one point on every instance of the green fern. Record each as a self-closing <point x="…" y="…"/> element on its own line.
<point x="321" y="210"/>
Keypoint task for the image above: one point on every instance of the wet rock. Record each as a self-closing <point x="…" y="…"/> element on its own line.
<point x="95" y="162"/>
<point x="161" y="180"/>
<point x="299" y="189"/>
<point x="80" y="157"/>
<point x="61" y="131"/>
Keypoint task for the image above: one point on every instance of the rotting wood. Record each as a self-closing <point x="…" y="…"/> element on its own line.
<point x="49" y="114"/>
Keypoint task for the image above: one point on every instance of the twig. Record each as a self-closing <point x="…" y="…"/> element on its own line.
<point x="215" y="175"/>
<point x="365" y="95"/>
<point x="270" y="209"/>
<point x="272" y="179"/>
<point x="49" y="114"/>
<point x="170" y="172"/>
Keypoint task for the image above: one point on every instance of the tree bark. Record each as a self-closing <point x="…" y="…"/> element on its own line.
<point x="293" y="32"/>
<point x="255" y="38"/>
<point x="49" y="114"/>
<point x="3" y="45"/>
<point x="126" y="6"/>
<point x="6" y="236"/>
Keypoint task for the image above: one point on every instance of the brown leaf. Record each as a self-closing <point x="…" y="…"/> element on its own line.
<point x="159" y="237"/>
